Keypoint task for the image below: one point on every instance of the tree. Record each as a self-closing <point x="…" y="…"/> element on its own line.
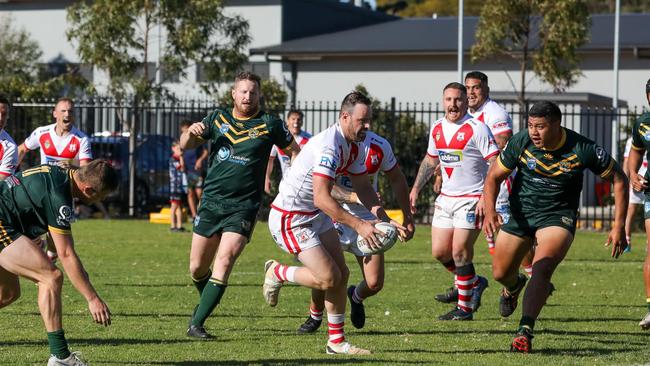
<point x="21" y="75"/>
<point x="544" y="34"/>
<point x="426" y="8"/>
<point x="119" y="36"/>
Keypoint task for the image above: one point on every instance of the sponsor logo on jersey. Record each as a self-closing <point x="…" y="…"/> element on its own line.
<point x="65" y="215"/>
<point x="327" y="162"/>
<point x="548" y="156"/>
<point x="566" y="220"/>
<point x="499" y="125"/>
<point x="450" y="157"/>
<point x="224" y="128"/>
<point x="531" y="163"/>
<point x="600" y="153"/>
<point x="647" y="136"/>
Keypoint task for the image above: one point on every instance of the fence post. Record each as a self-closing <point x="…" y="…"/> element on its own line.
<point x="132" y="157"/>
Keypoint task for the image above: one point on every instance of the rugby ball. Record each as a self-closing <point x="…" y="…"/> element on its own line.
<point x="387" y="240"/>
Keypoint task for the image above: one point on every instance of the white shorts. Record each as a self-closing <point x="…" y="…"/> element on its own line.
<point x="455" y="212"/>
<point x="636" y="198"/>
<point x="296" y="231"/>
<point x="348" y="237"/>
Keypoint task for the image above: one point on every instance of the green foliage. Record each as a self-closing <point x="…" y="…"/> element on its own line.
<point x="426" y="8"/>
<point x="141" y="270"/>
<point x="21" y="75"/>
<point x="562" y="27"/>
<point x="118" y="36"/>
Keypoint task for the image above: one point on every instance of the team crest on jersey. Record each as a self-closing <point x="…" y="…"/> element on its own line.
<point x="374" y="160"/>
<point x="47" y="144"/>
<point x="647" y="136"/>
<point x="438" y="136"/>
<point x="461" y="136"/>
<point x="65" y="215"/>
<point x="253" y="133"/>
<point x="224" y="128"/>
<point x="600" y="153"/>
<point x="565" y="166"/>
<point x="72" y="148"/>
<point x="531" y="163"/>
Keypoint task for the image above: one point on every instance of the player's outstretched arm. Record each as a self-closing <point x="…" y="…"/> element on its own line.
<point x="496" y="174"/>
<point x="401" y="191"/>
<point x="425" y="172"/>
<point x="192" y="137"/>
<point x="616" y="236"/>
<point x="267" y="176"/>
<point x="368" y="197"/>
<point x="633" y="164"/>
<point x="79" y="277"/>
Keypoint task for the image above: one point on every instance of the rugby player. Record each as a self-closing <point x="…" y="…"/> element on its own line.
<point x="294" y="124"/>
<point x="241" y="140"/>
<point x="464" y="148"/>
<point x="641" y="143"/>
<point x="36" y="201"/>
<point x="8" y="148"/>
<point x="301" y="216"/>
<point x="550" y="161"/>
<point x="636" y="198"/>
<point x="378" y="156"/>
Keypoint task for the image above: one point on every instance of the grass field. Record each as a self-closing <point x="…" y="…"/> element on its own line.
<point x="140" y="270"/>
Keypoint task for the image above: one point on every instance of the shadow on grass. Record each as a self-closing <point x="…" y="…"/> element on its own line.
<point x="186" y="284"/>
<point x="110" y="341"/>
<point x="334" y="360"/>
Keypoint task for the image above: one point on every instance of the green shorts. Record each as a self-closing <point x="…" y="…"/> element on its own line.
<point x="523" y="225"/>
<point x="214" y="219"/>
<point x="8" y="234"/>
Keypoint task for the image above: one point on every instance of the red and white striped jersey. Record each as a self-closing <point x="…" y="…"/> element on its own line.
<point x="285" y="160"/>
<point x="8" y="154"/>
<point x="75" y="145"/>
<point x="463" y="149"/>
<point x="327" y="155"/>
<point x="378" y="156"/>
<point x="626" y="154"/>
<point x="494" y="116"/>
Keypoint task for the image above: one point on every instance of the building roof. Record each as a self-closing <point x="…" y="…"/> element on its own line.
<point x="439" y="36"/>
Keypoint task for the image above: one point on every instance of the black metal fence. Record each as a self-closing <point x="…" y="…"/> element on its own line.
<point x="109" y="124"/>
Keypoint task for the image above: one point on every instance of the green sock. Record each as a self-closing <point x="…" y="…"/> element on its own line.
<point x="648" y="303"/>
<point x="517" y="287"/>
<point x="527" y="321"/>
<point x="58" y="344"/>
<point x="201" y="282"/>
<point x="210" y="298"/>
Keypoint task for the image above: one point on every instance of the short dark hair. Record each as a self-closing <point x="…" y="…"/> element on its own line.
<point x="457" y="86"/>
<point x="295" y="111"/>
<point x="64" y="99"/>
<point x="477" y="75"/>
<point x="545" y="109"/>
<point x="5" y="100"/>
<point x="185" y="123"/>
<point x="247" y="75"/>
<point x="100" y="175"/>
<point x="352" y="99"/>
<point x="647" y="87"/>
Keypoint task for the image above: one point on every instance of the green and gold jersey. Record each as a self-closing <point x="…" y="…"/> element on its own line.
<point x="239" y="154"/>
<point x="548" y="180"/>
<point x="641" y="137"/>
<point x="37" y="200"/>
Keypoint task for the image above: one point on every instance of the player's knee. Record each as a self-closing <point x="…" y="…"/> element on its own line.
<point x="544" y="268"/>
<point x="52" y="279"/>
<point x="329" y="280"/>
<point x="440" y="255"/>
<point x="9" y="295"/>
<point x="375" y="284"/>
<point x="461" y="257"/>
<point x="499" y="273"/>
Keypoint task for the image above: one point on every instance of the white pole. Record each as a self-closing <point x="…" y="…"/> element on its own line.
<point x="460" y="41"/>
<point x="616" y="121"/>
